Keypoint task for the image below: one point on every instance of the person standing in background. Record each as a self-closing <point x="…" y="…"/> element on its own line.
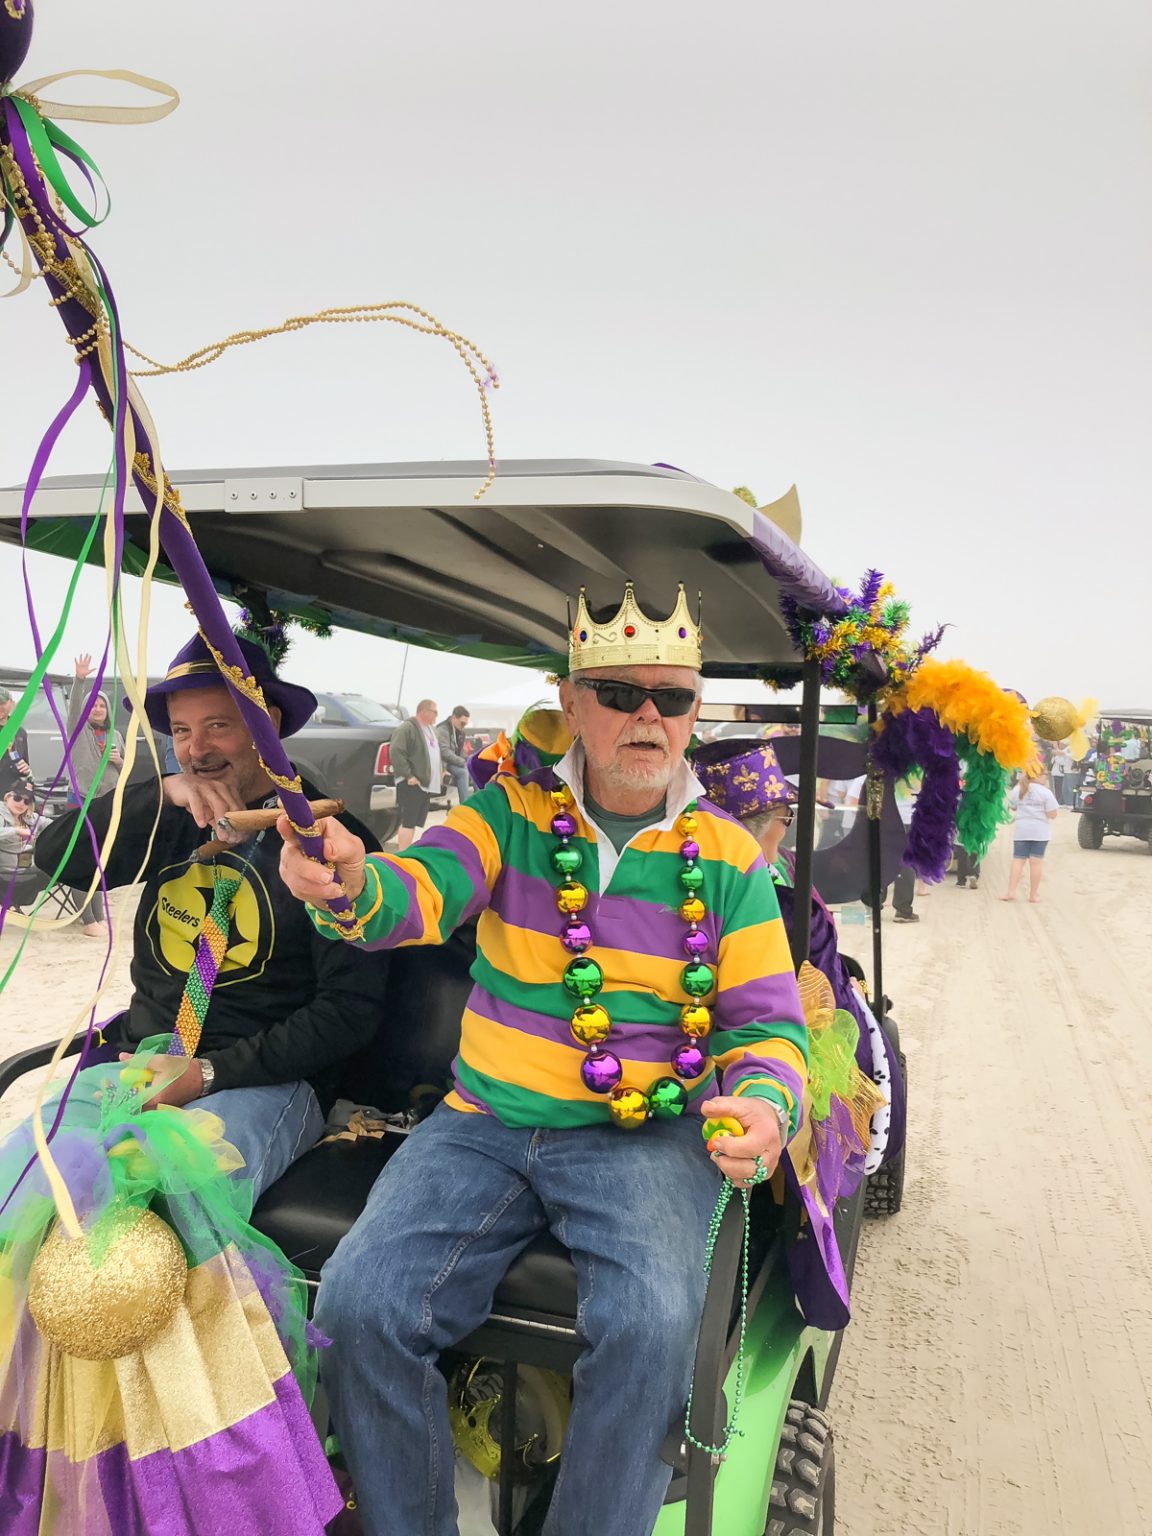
<point x="90" y="770"/>
<point x="415" y="754"/>
<point x="1036" y="810"/>
<point x="454" y="750"/>
<point x="14" y="769"/>
<point x="1061" y="768"/>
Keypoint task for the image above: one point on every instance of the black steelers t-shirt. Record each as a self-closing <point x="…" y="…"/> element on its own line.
<point x="286" y="1004"/>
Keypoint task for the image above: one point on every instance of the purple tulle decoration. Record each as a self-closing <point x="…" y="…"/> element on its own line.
<point x="916" y="739"/>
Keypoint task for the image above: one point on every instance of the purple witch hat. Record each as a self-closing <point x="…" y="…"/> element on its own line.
<point x="194" y="667"/>
<point x="742" y="777"/>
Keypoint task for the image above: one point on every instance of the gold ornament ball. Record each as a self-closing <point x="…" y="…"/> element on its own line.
<point x="628" y="1107"/>
<point x="114" y="1307"/>
<point x="1054" y="719"/>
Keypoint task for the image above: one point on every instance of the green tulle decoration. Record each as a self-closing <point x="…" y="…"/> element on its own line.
<point x="831" y="1057"/>
<point x="984" y="801"/>
<point x="113" y="1150"/>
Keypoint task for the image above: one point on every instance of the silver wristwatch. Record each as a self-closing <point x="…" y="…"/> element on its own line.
<point x="207" y="1073"/>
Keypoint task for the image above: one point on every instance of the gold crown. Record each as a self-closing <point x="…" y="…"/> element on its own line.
<point x="631" y="639"/>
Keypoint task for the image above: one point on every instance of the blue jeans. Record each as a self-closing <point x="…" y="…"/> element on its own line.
<point x="417" y="1272"/>
<point x="462" y="782"/>
<point x="269" y="1127"/>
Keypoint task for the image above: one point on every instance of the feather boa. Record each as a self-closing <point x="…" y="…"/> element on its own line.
<point x="972" y="704"/>
<point x="984" y="803"/>
<point x="915" y="738"/>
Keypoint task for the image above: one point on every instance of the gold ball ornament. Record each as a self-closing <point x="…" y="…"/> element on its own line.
<point x="628" y="1107"/>
<point x="1054" y="719"/>
<point x="112" y="1308"/>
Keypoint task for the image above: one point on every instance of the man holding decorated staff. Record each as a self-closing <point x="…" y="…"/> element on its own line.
<point x="279" y="1009"/>
<point x="632" y="974"/>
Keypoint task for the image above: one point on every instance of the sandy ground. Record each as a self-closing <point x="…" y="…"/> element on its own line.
<point x="997" y="1375"/>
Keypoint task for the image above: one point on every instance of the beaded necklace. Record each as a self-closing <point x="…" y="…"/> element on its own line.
<point x="601" y="1070"/>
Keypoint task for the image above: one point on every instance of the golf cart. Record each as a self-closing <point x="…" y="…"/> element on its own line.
<point x="1115" y="798"/>
<point x="405" y="552"/>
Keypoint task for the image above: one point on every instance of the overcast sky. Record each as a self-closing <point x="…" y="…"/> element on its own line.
<point x="895" y="252"/>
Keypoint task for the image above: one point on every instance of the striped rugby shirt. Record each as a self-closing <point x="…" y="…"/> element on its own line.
<point x="518" y="1059"/>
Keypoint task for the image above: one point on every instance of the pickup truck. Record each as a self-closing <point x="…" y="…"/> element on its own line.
<point x="344" y="749"/>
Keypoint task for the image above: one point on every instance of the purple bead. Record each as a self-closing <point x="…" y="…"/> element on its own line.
<point x="682" y="632"/>
<point x="688" y="1060"/>
<point x="601" y="1071"/>
<point x="576" y="937"/>
<point x="696" y="944"/>
<point x="689" y="850"/>
<point x="564" y="824"/>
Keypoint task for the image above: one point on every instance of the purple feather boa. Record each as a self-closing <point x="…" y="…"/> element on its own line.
<point x="916" y="739"/>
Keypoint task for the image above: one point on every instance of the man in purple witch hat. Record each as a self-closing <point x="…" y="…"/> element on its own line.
<point x="286" y="1007"/>
<point x="745" y="779"/>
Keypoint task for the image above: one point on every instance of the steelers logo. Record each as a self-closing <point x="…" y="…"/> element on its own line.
<point x="182" y="903"/>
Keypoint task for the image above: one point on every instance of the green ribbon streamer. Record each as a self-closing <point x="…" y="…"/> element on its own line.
<point x="43" y="136"/>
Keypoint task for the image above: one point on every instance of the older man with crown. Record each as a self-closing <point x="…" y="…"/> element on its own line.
<point x="632" y="974"/>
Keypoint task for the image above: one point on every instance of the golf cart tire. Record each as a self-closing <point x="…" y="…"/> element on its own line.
<point x="803" y="1497"/>
<point x="884" y="1192"/>
<point x="1090" y="832"/>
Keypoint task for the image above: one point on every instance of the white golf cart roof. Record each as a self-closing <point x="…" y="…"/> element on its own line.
<point x="405" y="551"/>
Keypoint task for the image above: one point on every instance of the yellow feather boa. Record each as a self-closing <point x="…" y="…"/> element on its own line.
<point x="973" y="704"/>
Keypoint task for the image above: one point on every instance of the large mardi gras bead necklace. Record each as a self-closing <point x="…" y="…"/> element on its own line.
<point x="601" y="1070"/>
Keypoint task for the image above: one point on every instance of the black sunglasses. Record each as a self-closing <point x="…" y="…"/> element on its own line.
<point x="629" y="697"/>
<point x="15" y="794"/>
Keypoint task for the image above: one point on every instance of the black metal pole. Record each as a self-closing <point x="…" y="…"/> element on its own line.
<point x="506" y="1511"/>
<point x="878" y="1003"/>
<point x="806" y="813"/>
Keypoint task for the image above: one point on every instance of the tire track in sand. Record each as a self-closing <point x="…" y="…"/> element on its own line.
<point x="996" y="1376"/>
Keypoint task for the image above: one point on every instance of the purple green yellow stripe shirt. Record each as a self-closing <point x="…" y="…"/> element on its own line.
<point x="518" y="1060"/>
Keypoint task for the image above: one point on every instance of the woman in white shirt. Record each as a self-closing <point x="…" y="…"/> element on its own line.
<point x="1035" y="812"/>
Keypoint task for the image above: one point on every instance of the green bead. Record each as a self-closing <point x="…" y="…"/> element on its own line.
<point x="566" y="861"/>
<point x="692" y="877"/>
<point x="584" y="978"/>
<point x="667" y="1098"/>
<point x="697" y="979"/>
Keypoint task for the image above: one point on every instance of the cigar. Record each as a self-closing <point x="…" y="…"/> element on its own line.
<point x="249" y="822"/>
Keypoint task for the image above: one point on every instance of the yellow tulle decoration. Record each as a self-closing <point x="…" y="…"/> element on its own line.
<point x="832" y="1071"/>
<point x="973" y="704"/>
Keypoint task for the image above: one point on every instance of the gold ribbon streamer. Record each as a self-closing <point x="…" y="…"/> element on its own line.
<point x="93" y="112"/>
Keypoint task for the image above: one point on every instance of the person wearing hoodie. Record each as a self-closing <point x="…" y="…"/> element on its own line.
<point x="90" y="769"/>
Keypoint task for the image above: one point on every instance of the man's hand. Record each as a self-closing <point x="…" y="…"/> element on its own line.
<point x="316" y="883"/>
<point x="114" y="757"/>
<point x="204" y="800"/>
<point x="736" y="1156"/>
<point x="23" y="769"/>
<point x="413" y="780"/>
<point x="182" y="1090"/>
<point x="84" y="667"/>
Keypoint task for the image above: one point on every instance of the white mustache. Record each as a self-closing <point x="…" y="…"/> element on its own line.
<point x="648" y="735"/>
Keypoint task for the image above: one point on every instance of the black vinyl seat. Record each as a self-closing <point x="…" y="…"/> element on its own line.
<point x="408" y="1065"/>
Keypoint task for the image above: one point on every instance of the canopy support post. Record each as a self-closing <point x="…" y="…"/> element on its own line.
<point x="806" y="813"/>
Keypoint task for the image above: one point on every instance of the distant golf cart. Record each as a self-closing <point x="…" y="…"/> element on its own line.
<point x="405" y="552"/>
<point x="1115" y="799"/>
